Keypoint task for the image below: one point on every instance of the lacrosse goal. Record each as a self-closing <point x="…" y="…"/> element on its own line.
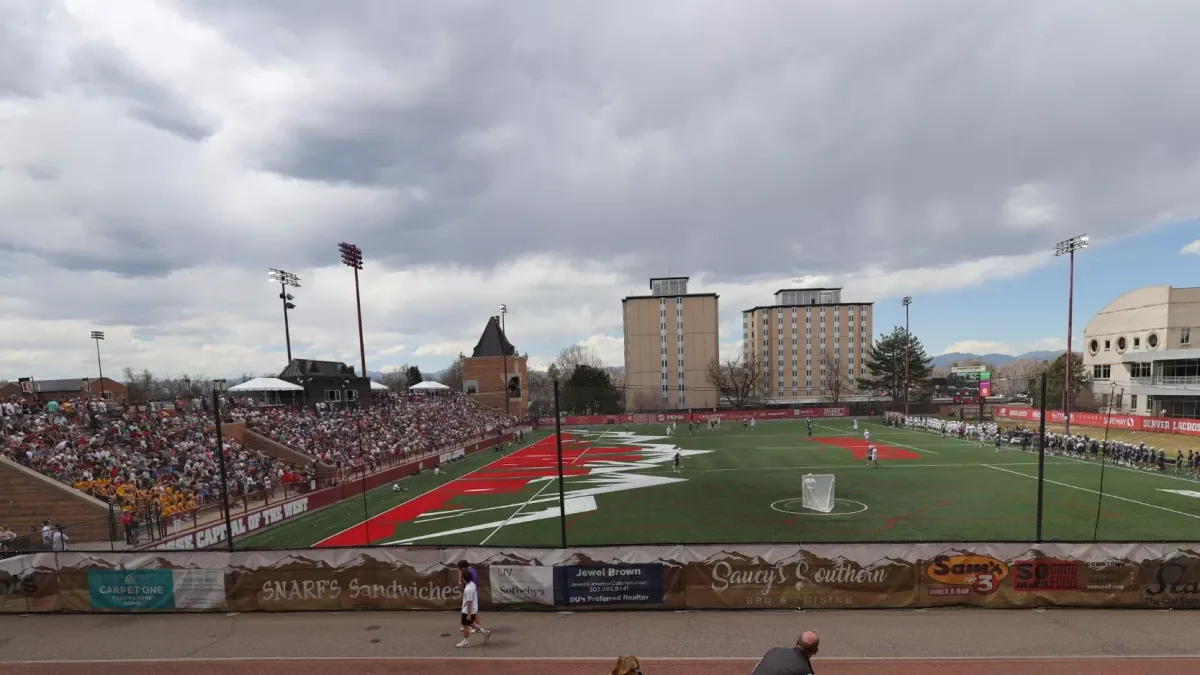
<point x="818" y="492"/>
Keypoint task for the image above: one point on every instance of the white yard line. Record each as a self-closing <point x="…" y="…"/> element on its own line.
<point x="436" y="487"/>
<point x="1105" y="494"/>
<point x="898" y="445"/>
<point x="591" y="444"/>
<point x="958" y="443"/>
<point x="898" y="464"/>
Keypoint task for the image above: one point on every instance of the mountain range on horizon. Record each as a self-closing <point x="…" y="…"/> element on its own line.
<point x="993" y="359"/>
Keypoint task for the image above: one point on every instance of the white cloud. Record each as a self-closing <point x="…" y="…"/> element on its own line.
<point x="1030" y="207"/>
<point x="1192" y="248"/>
<point x="1008" y="348"/>
<point x="980" y="347"/>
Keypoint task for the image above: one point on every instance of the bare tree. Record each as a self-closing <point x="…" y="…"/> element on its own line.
<point x="396" y="380"/>
<point x="835" y="385"/>
<point x="453" y="376"/>
<point x="738" y="379"/>
<point x="541" y="393"/>
<point x="1017" y="377"/>
<point x="139" y="386"/>
<point x="574" y="356"/>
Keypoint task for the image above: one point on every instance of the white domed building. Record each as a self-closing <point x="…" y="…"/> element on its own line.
<point x="1146" y="343"/>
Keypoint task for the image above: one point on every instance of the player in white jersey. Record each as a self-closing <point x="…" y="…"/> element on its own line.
<point x="670" y="431"/>
<point x="856" y="424"/>
<point x="867" y="435"/>
<point x="872" y="456"/>
<point x="751" y="424"/>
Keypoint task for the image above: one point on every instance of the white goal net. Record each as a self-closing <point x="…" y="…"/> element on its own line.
<point x="818" y="492"/>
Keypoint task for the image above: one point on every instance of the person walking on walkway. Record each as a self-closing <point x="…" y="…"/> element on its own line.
<point x="790" y="661"/>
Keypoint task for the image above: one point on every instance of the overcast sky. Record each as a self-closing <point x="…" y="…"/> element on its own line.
<point x="156" y="158"/>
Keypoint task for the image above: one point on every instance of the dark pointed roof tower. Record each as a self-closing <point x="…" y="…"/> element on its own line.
<point x="493" y="341"/>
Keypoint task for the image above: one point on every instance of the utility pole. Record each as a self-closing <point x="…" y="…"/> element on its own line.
<point x="285" y="280"/>
<point x="98" y="335"/>
<point x="352" y="257"/>
<point x="907" y="339"/>
<point x="504" y="334"/>
<point x="1068" y="248"/>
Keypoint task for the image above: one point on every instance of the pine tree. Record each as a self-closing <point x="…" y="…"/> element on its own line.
<point x="414" y="376"/>
<point x="1056" y="375"/>
<point x="886" y="367"/>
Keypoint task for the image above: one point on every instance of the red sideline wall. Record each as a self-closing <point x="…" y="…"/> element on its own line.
<point x="1162" y="425"/>
<point x="727" y="415"/>
<point x="246" y="523"/>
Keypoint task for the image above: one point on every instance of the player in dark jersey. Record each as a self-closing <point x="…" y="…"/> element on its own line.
<point x="808" y="425"/>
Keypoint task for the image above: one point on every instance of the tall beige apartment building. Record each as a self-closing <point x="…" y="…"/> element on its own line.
<point x="670" y="338"/>
<point x="810" y="345"/>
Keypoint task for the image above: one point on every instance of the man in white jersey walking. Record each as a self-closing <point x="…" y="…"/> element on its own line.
<point x="470" y="606"/>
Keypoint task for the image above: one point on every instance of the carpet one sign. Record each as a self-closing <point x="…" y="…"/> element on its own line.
<point x="653" y="577"/>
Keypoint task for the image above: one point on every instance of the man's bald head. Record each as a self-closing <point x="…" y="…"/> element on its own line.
<point x="809" y="642"/>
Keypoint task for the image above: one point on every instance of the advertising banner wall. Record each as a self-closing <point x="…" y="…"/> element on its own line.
<point x="868" y="576"/>
<point x="1163" y="425"/>
<point x="685" y="417"/>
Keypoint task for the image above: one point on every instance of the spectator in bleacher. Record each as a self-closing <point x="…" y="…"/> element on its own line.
<point x="790" y="661"/>
<point x="162" y="463"/>
<point x="58" y="538"/>
<point x="397" y="427"/>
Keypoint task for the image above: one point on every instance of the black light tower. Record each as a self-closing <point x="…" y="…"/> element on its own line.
<point x="503" y="313"/>
<point x="352" y="257"/>
<point x="907" y="339"/>
<point x="286" y="279"/>
<point x="98" y="335"/>
<point x="1068" y="248"/>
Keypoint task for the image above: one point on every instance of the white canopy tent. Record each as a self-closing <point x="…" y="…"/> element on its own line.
<point x="262" y="384"/>
<point x="378" y="386"/>
<point x="429" y="386"/>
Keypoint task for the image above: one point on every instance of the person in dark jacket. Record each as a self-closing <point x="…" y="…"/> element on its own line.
<point x="794" y="661"/>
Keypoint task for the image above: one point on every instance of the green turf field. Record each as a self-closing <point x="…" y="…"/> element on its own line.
<point x="740" y="485"/>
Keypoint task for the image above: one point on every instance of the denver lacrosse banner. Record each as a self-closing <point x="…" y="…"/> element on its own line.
<point x="865" y="576"/>
<point x="1162" y="425"/>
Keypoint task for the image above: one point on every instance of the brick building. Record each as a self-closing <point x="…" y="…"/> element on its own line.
<point x="494" y="374"/>
<point x="59" y="390"/>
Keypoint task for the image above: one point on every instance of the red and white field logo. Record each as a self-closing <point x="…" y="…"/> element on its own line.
<point x="523" y="488"/>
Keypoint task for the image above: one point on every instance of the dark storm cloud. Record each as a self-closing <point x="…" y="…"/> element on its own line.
<point x="729" y="137"/>
<point x="793" y="138"/>
<point x="103" y="71"/>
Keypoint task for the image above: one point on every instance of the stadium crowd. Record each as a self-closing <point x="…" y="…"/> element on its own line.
<point x="160" y="461"/>
<point x="396" y="427"/>
<point x="139" y="461"/>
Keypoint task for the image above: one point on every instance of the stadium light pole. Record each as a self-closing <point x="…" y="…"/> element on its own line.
<point x="504" y="333"/>
<point x="1068" y="249"/>
<point x="98" y="335"/>
<point x="286" y="279"/>
<point x="352" y="257"/>
<point x="907" y="339"/>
